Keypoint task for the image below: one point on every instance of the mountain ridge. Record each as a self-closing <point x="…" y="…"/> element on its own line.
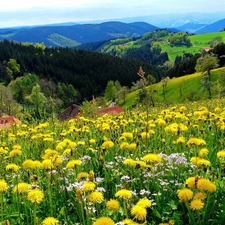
<point x="81" y="33"/>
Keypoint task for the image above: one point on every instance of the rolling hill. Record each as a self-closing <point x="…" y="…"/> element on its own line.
<point x="180" y="90"/>
<point x="122" y="46"/>
<point x="71" y="36"/>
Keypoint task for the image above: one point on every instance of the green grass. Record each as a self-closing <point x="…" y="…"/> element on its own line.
<point x="178" y="90"/>
<point x="61" y="41"/>
<point x="198" y="41"/>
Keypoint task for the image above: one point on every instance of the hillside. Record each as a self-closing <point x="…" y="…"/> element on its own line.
<point x="214" y="27"/>
<point x="87" y="71"/>
<point x="124" y="46"/>
<point x="180" y="90"/>
<point x="74" y="35"/>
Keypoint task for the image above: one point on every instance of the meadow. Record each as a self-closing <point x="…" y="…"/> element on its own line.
<point x="198" y="41"/>
<point x="179" y="89"/>
<point x="153" y="166"/>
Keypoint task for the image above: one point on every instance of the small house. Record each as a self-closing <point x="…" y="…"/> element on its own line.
<point x="206" y="50"/>
<point x="8" y="121"/>
<point x="69" y="113"/>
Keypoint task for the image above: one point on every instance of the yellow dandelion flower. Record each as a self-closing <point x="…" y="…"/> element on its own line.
<point x="171" y="222"/>
<point x="81" y="143"/>
<point x="139" y="212"/>
<point x="73" y="163"/>
<point x="96" y="197"/>
<point x="152" y="158"/>
<point x="130" y="222"/>
<point x="72" y="144"/>
<point x="12" y="167"/>
<point x="15" y="152"/>
<point x="144" y="202"/>
<point x="124" y="194"/>
<point x="21" y="188"/>
<point x="203" y="152"/>
<point x="82" y="176"/>
<point x="161" y="122"/>
<point x="36" y="164"/>
<point x="139" y="163"/>
<point x="211" y="187"/>
<point x="127" y="135"/>
<point x="145" y="135"/>
<point x="196" y="204"/>
<point x="206" y="185"/>
<point x="130" y="162"/>
<point x="28" y="164"/>
<point x="92" y="141"/>
<point x="191" y="182"/>
<point x="67" y="152"/>
<point x="49" y="153"/>
<point x="124" y="145"/>
<point x="48" y="139"/>
<point x="200" y="196"/>
<point x="204" y="162"/>
<point x="89" y="186"/>
<point x="108" y="144"/>
<point x="181" y="139"/>
<point x="172" y="128"/>
<point x="3" y="185"/>
<point x="104" y="221"/>
<point x="185" y="194"/>
<point x="132" y="146"/>
<point x="195" y="160"/>
<point x="17" y="147"/>
<point x="113" y="204"/>
<point x="196" y="141"/>
<point x="35" y="196"/>
<point x="221" y="154"/>
<point x="3" y="151"/>
<point x="47" y="164"/>
<point x="50" y="221"/>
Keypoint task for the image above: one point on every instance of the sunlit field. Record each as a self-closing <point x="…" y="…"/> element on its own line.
<point x="146" y="166"/>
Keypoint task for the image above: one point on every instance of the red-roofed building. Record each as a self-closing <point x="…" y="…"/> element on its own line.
<point x="8" y="121"/>
<point x="205" y="50"/>
<point x="110" y="110"/>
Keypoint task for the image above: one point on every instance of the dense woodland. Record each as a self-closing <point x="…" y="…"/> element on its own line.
<point x="87" y="71"/>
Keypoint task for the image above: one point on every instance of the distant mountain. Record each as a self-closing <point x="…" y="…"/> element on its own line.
<point x="214" y="27"/>
<point x="178" y="19"/>
<point x="191" y="27"/>
<point x="76" y="34"/>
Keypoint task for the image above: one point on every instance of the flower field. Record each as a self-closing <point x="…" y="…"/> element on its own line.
<point x="144" y="166"/>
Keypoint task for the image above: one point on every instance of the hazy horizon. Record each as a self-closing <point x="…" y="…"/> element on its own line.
<point x="28" y="13"/>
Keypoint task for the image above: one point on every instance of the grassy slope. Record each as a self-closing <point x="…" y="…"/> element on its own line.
<point x="188" y="84"/>
<point x="198" y="41"/>
<point x="61" y="41"/>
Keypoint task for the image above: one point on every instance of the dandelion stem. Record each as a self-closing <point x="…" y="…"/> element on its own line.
<point x="50" y="193"/>
<point x="82" y="211"/>
<point x="190" y="214"/>
<point x="35" y="212"/>
<point x="125" y="208"/>
<point x="1" y="197"/>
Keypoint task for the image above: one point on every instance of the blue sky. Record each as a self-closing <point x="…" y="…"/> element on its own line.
<point x="34" y="12"/>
